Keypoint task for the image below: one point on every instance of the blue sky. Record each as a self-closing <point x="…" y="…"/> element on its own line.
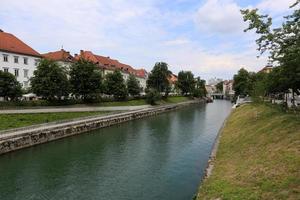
<point x="204" y="36"/>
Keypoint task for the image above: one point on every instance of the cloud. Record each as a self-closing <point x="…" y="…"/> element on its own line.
<point x="275" y="7"/>
<point x="219" y="17"/>
<point x="176" y="42"/>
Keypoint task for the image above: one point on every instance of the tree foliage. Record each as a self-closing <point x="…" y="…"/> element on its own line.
<point x="199" y="88"/>
<point x="86" y="80"/>
<point x="50" y="80"/>
<point x="243" y="82"/>
<point x="115" y="85"/>
<point x="219" y="86"/>
<point x="283" y="44"/>
<point x="152" y="96"/>
<point x="9" y="86"/>
<point x="158" y="78"/>
<point x="133" y="86"/>
<point x="186" y="82"/>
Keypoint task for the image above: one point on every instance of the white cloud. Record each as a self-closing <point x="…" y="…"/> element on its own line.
<point x="219" y="17"/>
<point x="176" y="42"/>
<point x="275" y="7"/>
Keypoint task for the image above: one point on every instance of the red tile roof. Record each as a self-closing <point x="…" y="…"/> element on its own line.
<point x="172" y="78"/>
<point x="111" y="64"/>
<point x="10" y="43"/>
<point x="60" y="55"/>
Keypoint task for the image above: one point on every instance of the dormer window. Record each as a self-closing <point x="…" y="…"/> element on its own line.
<point x="5" y="58"/>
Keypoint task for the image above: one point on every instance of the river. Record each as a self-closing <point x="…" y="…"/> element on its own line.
<point x="161" y="157"/>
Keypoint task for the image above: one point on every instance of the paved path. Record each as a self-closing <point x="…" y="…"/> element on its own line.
<point x="74" y="109"/>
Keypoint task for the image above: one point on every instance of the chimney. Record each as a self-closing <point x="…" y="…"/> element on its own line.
<point x="81" y="52"/>
<point x="1" y="31"/>
<point x="75" y="54"/>
<point x="108" y="57"/>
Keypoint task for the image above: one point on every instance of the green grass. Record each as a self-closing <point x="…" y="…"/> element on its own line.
<point x="9" y="121"/>
<point x="258" y="156"/>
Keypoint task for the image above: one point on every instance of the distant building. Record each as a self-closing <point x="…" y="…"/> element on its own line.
<point x="267" y="69"/>
<point x="228" y="91"/>
<point x="108" y="65"/>
<point x="214" y="81"/>
<point x="172" y="80"/>
<point x="17" y="58"/>
<point x="211" y="89"/>
<point x="62" y="57"/>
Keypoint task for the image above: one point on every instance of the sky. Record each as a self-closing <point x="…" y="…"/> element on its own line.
<point x="203" y="36"/>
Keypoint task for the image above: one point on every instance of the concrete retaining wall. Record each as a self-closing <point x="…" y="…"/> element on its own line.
<point x="26" y="138"/>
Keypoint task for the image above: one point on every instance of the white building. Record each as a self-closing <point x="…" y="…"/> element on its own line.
<point x="17" y="58"/>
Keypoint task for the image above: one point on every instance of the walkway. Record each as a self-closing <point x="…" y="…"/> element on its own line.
<point x="73" y="109"/>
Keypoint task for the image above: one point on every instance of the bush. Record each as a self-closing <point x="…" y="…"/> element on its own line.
<point x="152" y="96"/>
<point x="9" y="86"/>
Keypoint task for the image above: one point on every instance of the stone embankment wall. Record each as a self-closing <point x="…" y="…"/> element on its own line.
<point x="26" y="138"/>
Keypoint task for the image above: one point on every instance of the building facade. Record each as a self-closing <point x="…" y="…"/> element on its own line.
<point x="17" y="58"/>
<point x="109" y="65"/>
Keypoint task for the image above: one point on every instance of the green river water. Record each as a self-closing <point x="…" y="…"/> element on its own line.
<point x="161" y="157"/>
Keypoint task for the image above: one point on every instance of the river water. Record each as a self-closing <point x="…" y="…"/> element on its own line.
<point x="161" y="157"/>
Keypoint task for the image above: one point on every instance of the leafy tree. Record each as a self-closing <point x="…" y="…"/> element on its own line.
<point x="133" y="86"/>
<point x="115" y="85"/>
<point x="186" y="82"/>
<point x="243" y="82"/>
<point x="86" y="80"/>
<point x="283" y="44"/>
<point x="199" y="90"/>
<point x="158" y="78"/>
<point x="152" y="96"/>
<point x="9" y="86"/>
<point x="219" y="86"/>
<point x="50" y="81"/>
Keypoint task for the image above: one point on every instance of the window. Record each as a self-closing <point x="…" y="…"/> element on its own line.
<point x="17" y="72"/>
<point x="16" y="59"/>
<point x="25" y="84"/>
<point x="26" y="61"/>
<point x="36" y="62"/>
<point x="25" y="73"/>
<point x="5" y="58"/>
<point x="5" y="69"/>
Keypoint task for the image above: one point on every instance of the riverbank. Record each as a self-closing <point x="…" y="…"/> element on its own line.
<point x="17" y="139"/>
<point x="258" y="156"/>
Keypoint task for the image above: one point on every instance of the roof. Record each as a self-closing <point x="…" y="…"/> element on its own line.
<point x="173" y="78"/>
<point x="10" y="43"/>
<point x="111" y="64"/>
<point x="60" y="55"/>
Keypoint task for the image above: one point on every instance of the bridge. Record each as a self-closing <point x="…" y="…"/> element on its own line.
<point x="217" y="95"/>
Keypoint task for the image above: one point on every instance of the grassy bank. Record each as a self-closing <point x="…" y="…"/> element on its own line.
<point x="73" y="103"/>
<point x="9" y="121"/>
<point x="258" y="156"/>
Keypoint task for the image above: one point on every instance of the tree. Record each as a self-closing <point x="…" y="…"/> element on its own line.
<point x="186" y="82"/>
<point x="152" y="96"/>
<point x="115" y="85"/>
<point x="133" y="86"/>
<point x="9" y="86"/>
<point x="243" y="82"/>
<point x="283" y="44"/>
<point x="50" y="81"/>
<point x="158" y="78"/>
<point x="86" y="80"/>
<point x="199" y="90"/>
<point x="219" y="86"/>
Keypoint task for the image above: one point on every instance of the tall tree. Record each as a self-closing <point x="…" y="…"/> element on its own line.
<point x="199" y="90"/>
<point x="219" y="86"/>
<point x="50" y="80"/>
<point x="283" y="43"/>
<point x="115" y="85"/>
<point x="9" y="86"/>
<point x="86" y="80"/>
<point x="158" y="78"/>
<point x="243" y="82"/>
<point x="133" y="86"/>
<point x="186" y="82"/>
